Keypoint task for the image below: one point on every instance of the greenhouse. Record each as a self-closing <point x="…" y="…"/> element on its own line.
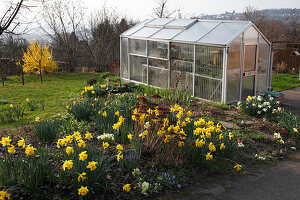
<point x="222" y="61"/>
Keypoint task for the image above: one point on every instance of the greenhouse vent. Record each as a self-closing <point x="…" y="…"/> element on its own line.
<point x="222" y="61"/>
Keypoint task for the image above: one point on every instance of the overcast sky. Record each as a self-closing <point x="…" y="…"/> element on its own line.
<point x="141" y="9"/>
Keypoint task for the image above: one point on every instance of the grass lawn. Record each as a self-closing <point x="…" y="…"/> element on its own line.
<point x="284" y="81"/>
<point x="56" y="92"/>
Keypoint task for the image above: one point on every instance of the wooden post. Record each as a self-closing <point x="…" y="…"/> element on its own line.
<point x="2" y="76"/>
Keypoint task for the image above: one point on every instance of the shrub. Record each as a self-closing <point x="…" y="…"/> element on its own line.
<point x="85" y="110"/>
<point x="260" y="106"/>
<point x="92" y="81"/>
<point x="46" y="131"/>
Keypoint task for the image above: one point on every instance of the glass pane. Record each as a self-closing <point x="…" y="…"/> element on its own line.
<point x="166" y="34"/>
<point x="195" y="32"/>
<point x="247" y="87"/>
<point x="250" y="35"/>
<point x="159" y="22"/>
<point x="182" y="61"/>
<point x="209" y="61"/>
<point x="124" y="58"/>
<point x="250" y="58"/>
<point x="158" y="49"/>
<point x="234" y="71"/>
<point x="207" y="88"/>
<point x="263" y="61"/>
<point x="223" y="33"/>
<point x="135" y="28"/>
<point x="158" y="73"/>
<point x="137" y="46"/>
<point x="180" y="23"/>
<point x="138" y="69"/>
<point x="145" y="32"/>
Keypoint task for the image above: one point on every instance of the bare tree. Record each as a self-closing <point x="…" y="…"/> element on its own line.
<point x="161" y="10"/>
<point x="63" y="19"/>
<point x="17" y="16"/>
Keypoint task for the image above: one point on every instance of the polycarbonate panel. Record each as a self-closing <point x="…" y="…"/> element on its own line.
<point x="247" y="86"/>
<point x="135" y="28"/>
<point x="263" y="62"/>
<point x="195" y="32"/>
<point x="207" y="88"/>
<point x="251" y="35"/>
<point x="138" y="69"/>
<point x="182" y="81"/>
<point x="124" y="59"/>
<point x="180" y="23"/>
<point x="158" y="73"/>
<point x="145" y="32"/>
<point x="182" y="61"/>
<point x="158" y="49"/>
<point x="223" y="33"/>
<point x="234" y="71"/>
<point x="159" y="22"/>
<point x="137" y="46"/>
<point x="166" y="34"/>
<point x="209" y="61"/>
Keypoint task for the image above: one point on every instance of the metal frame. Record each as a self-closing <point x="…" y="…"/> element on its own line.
<point x="242" y="65"/>
<point x="224" y="75"/>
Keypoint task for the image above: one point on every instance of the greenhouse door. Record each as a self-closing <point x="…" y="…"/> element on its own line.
<point x="249" y="71"/>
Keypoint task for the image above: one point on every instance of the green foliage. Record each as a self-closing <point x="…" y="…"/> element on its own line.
<point x="86" y="109"/>
<point x="46" y="131"/>
<point x="34" y="104"/>
<point x="290" y="122"/>
<point x="171" y="95"/>
<point x="284" y="81"/>
<point x="260" y="106"/>
<point x="12" y="114"/>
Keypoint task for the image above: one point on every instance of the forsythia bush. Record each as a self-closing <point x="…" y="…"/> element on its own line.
<point x="36" y="52"/>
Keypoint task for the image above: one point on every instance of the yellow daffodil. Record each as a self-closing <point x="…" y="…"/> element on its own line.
<point x="105" y="145"/>
<point x="81" y="177"/>
<point x="93" y="92"/>
<point x="5" y="141"/>
<point x="212" y="147"/>
<point x="189" y="113"/>
<point x="88" y="136"/>
<point x="4" y="195"/>
<point x="238" y="167"/>
<point x="199" y="143"/>
<point x="68" y="164"/>
<point x="11" y="105"/>
<point x="83" y="156"/>
<point x="67" y="107"/>
<point x="11" y="149"/>
<point x="69" y="138"/>
<point x="21" y="143"/>
<point x="230" y="135"/>
<point x="126" y="188"/>
<point x="30" y="150"/>
<point x="222" y="146"/>
<point x="119" y="156"/>
<point x="250" y="98"/>
<point x="129" y="136"/>
<point x="221" y="136"/>
<point x="104" y="114"/>
<point x="119" y="148"/>
<point x="81" y="143"/>
<point x="69" y="150"/>
<point x="180" y="143"/>
<point x="27" y="99"/>
<point x="209" y="156"/>
<point x="117" y="113"/>
<point x="83" y="191"/>
<point x="37" y="119"/>
<point x="92" y="165"/>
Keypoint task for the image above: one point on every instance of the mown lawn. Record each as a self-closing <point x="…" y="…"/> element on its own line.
<point x="56" y="92"/>
<point x="284" y="81"/>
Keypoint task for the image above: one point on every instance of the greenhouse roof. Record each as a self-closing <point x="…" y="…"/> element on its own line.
<point x="189" y="30"/>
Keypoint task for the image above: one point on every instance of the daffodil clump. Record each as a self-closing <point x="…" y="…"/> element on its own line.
<point x="79" y="161"/>
<point x="259" y="106"/>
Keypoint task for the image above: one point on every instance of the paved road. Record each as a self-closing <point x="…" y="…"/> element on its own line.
<point x="280" y="182"/>
<point x="292" y="100"/>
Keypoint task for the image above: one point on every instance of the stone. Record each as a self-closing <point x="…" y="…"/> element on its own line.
<point x="229" y="125"/>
